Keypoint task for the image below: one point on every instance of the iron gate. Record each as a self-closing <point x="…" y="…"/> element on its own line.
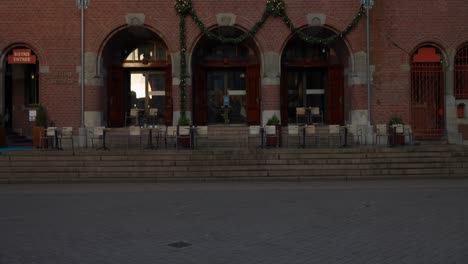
<point x="427" y="100"/>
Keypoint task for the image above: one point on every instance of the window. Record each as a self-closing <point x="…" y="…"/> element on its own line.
<point x="149" y="51"/>
<point x="461" y="73"/>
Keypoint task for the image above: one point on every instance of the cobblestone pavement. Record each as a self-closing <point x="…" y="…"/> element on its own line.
<point x="410" y="222"/>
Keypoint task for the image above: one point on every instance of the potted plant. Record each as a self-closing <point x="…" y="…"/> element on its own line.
<point x="39" y="127"/>
<point x="3" y="134"/>
<point x="271" y="141"/>
<point x="395" y="134"/>
<point x="183" y="139"/>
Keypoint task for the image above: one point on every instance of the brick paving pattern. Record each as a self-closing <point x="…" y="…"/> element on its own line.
<point x="410" y="222"/>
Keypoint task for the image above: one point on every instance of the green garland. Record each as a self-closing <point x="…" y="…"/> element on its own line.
<point x="275" y="8"/>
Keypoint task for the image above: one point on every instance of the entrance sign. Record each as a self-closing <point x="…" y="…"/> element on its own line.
<point x="22" y="56"/>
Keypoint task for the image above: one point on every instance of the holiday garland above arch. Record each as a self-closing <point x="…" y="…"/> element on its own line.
<point x="275" y="8"/>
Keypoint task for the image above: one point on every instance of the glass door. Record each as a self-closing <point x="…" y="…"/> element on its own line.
<point x="148" y="91"/>
<point x="306" y="88"/>
<point x="226" y="91"/>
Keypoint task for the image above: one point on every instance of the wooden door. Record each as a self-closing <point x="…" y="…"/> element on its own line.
<point x="253" y="94"/>
<point x="116" y="97"/>
<point x="335" y="95"/>
<point x="168" y="108"/>
<point x="201" y="95"/>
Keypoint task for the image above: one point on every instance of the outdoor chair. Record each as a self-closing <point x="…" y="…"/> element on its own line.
<point x="334" y="136"/>
<point x="255" y="132"/>
<point x="132" y="118"/>
<point x="152" y="117"/>
<point x="293" y="132"/>
<point x="355" y="133"/>
<point x="301" y="115"/>
<point x="49" y="138"/>
<point x="134" y="133"/>
<point x="98" y="135"/>
<point x="315" y="115"/>
<point x="380" y="131"/>
<point x="202" y="133"/>
<point x="170" y="134"/>
<point x="183" y="137"/>
<point x="408" y="133"/>
<point x="66" y="133"/>
<point x="310" y="132"/>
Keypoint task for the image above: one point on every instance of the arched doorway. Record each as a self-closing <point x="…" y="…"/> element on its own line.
<point x="427" y="93"/>
<point x="312" y="76"/>
<point x="21" y="87"/>
<point x="138" y="76"/>
<point x="226" y="81"/>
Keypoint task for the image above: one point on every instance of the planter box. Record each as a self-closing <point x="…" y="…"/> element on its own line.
<point x="273" y="141"/>
<point x="3" y="137"/>
<point x="183" y="142"/>
<point x="38" y="137"/>
<point x="396" y="140"/>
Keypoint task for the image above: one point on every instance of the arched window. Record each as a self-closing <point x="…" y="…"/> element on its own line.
<point x="461" y="73"/>
<point x="147" y="53"/>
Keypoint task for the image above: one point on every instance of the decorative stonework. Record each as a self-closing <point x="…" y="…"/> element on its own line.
<point x="135" y="19"/>
<point x="226" y="19"/>
<point x="316" y="19"/>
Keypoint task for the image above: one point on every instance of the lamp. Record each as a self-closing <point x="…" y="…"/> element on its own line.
<point x="82" y="5"/>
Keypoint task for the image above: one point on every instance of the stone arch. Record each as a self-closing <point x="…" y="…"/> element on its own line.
<point x="119" y="28"/>
<point x="248" y="64"/>
<point x="117" y="74"/>
<point x="330" y="63"/>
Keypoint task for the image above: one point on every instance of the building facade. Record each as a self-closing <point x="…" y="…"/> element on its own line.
<point x="254" y="59"/>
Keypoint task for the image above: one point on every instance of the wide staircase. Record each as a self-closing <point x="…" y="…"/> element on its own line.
<point x="239" y="163"/>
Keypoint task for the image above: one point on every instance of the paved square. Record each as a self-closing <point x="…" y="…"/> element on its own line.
<point x="381" y="221"/>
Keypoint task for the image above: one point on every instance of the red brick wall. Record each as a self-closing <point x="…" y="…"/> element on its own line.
<point x="52" y="29"/>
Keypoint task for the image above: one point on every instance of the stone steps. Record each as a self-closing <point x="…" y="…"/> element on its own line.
<point x="233" y="164"/>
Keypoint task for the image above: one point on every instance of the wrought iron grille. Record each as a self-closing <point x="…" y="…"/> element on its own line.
<point x="427" y="100"/>
<point x="461" y="73"/>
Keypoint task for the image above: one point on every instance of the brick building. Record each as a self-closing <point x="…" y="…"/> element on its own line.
<point x="132" y="54"/>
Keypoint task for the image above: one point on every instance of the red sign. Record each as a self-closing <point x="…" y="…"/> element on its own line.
<point x="22" y="56"/>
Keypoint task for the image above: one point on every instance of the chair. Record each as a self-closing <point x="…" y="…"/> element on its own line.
<point x="202" y="132"/>
<point x="334" y="134"/>
<point x="152" y="116"/>
<point x="271" y="136"/>
<point x="98" y="134"/>
<point x="315" y="114"/>
<point x="132" y="116"/>
<point x="310" y="131"/>
<point x="66" y="133"/>
<point x="301" y="114"/>
<point x="255" y="132"/>
<point x="183" y="136"/>
<point x="380" y="131"/>
<point x="408" y="133"/>
<point x="293" y="131"/>
<point x="153" y="133"/>
<point x="170" y="133"/>
<point x="134" y="132"/>
<point x="355" y="133"/>
<point x="49" y="138"/>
